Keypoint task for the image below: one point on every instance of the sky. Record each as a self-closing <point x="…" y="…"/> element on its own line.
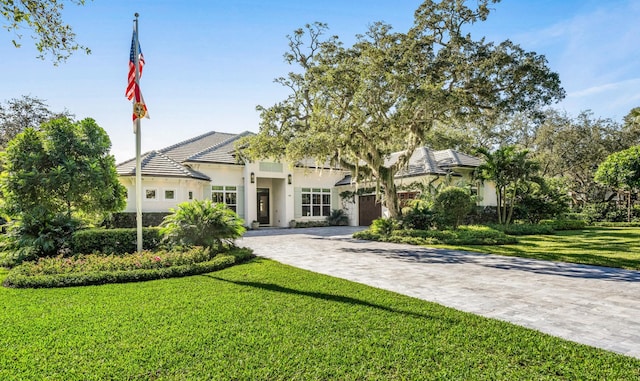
<point x="209" y="63"/>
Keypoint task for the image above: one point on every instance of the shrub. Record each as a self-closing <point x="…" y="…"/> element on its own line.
<point x="482" y="215"/>
<point x="311" y="224"/>
<point x="128" y="219"/>
<point x="418" y="215"/>
<point x="41" y="235"/>
<point x="202" y="223"/>
<point x="565" y="224"/>
<point x="464" y="235"/>
<point x="114" y="241"/>
<point x="20" y="278"/>
<point x="384" y="226"/>
<point x="451" y="205"/>
<point x="338" y="218"/>
<point x="524" y="229"/>
<point x="545" y="198"/>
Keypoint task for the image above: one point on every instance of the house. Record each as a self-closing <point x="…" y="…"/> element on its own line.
<point x="272" y="193"/>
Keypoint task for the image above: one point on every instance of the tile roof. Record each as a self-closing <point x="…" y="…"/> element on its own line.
<point x="172" y="161"/>
<point x="425" y="161"/>
<point x="222" y="152"/>
<point x="451" y="158"/>
<point x="156" y="163"/>
<point x="185" y="149"/>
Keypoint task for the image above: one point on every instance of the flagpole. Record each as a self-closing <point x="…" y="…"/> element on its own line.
<point x="138" y="145"/>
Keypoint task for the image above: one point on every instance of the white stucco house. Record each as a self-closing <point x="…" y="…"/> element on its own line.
<point x="272" y="193"/>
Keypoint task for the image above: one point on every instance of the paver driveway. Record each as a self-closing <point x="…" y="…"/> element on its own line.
<point x="587" y="304"/>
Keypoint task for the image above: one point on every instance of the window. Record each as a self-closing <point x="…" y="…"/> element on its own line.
<point x="151" y="194"/>
<point x="227" y="195"/>
<point x="190" y="195"/>
<point x="169" y="194"/>
<point x="316" y="202"/>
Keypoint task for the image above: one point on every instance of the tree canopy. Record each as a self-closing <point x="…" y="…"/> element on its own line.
<point x="621" y="170"/>
<point x="43" y="19"/>
<point x="354" y="106"/>
<point x="63" y="168"/>
<point x="18" y="114"/>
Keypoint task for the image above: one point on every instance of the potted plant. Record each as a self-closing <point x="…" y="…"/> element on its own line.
<point x="255" y="224"/>
<point x="292" y="224"/>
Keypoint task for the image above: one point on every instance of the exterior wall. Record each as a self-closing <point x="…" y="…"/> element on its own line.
<point x="486" y="193"/>
<point x="180" y="188"/>
<point x="316" y="179"/>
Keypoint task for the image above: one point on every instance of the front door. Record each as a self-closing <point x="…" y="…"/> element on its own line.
<point x="263" y="206"/>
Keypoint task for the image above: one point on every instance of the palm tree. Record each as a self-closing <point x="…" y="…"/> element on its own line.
<point x="509" y="168"/>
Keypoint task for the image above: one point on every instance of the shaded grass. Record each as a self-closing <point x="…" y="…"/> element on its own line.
<point x="600" y="246"/>
<point x="268" y="321"/>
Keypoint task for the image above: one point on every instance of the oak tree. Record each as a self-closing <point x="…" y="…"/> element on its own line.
<point x="355" y="105"/>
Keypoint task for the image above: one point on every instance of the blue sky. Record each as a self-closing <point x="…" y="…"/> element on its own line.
<point x="210" y="62"/>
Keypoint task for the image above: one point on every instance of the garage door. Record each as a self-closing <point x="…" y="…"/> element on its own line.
<point x="368" y="209"/>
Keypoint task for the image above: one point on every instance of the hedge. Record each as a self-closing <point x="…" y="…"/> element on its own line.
<point x="465" y="235"/>
<point x="565" y="224"/>
<point x="18" y="280"/>
<point x="128" y="219"/>
<point x="113" y="241"/>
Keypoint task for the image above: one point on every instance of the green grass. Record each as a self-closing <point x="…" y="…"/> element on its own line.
<point x="267" y="321"/>
<point x="600" y="246"/>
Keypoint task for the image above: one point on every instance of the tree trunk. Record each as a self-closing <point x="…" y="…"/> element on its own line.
<point x="629" y="206"/>
<point x="499" y="206"/>
<point x="511" y="204"/>
<point x="391" y="195"/>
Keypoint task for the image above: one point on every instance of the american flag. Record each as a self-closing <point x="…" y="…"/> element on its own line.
<point x="132" y="66"/>
<point x="133" y="87"/>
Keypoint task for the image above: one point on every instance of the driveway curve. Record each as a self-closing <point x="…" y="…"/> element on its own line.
<point x="591" y="305"/>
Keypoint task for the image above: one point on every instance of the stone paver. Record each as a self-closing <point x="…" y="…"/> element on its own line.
<point x="592" y="305"/>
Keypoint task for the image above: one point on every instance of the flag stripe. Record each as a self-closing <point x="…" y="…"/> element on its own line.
<point x="131" y="84"/>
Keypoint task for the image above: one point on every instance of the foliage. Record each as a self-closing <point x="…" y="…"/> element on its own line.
<point x="338" y="217"/>
<point x="573" y="147"/>
<point x="384" y="226"/>
<point x="621" y="170"/>
<point x="542" y="199"/>
<point x="565" y="224"/>
<point x="482" y="215"/>
<point x="250" y="322"/>
<point x="464" y="235"/>
<point x="202" y="223"/>
<point x="18" y="114"/>
<point x="418" y="215"/>
<point x="87" y="270"/>
<point x="356" y="105"/>
<point x="525" y="229"/>
<point x="451" y="205"/>
<point x="311" y="224"/>
<point x="114" y="241"/>
<point x="128" y="219"/>
<point x="36" y="235"/>
<point x="44" y="19"/>
<point x="65" y="167"/>
<point x="510" y="169"/>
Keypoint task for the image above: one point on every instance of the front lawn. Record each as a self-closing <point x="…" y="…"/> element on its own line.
<point x="600" y="246"/>
<point x="267" y="321"/>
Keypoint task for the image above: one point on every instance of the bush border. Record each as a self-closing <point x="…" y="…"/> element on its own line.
<point x="219" y="262"/>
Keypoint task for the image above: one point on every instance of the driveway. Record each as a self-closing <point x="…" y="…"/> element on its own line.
<point x="592" y="305"/>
